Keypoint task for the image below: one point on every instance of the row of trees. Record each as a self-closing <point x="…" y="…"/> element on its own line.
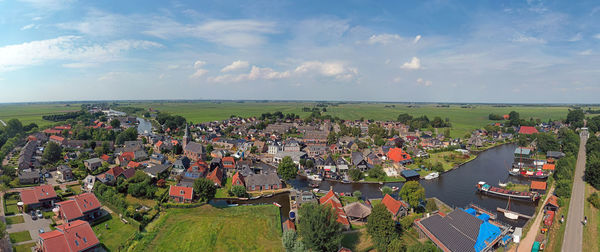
<point x="423" y="121"/>
<point x="592" y="166"/>
<point x="565" y="167"/>
<point x="63" y="117"/>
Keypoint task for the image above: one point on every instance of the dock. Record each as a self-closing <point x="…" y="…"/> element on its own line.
<point x="518" y="214"/>
<point x="482" y="210"/>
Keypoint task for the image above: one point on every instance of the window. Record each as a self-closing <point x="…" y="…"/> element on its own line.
<point x="76" y="243"/>
<point x="84" y="240"/>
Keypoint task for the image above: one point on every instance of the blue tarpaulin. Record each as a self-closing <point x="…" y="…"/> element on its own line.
<point x="471" y="211"/>
<point x="484" y="217"/>
<point x="487" y="233"/>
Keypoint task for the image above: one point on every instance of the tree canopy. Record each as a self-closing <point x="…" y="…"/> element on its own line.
<point x="319" y="228"/>
<point x="413" y="193"/>
<point x="52" y="152"/>
<point x="205" y="189"/>
<point x="381" y="227"/>
<point x="287" y="169"/>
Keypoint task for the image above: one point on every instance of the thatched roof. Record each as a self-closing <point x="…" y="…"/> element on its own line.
<point x="357" y="210"/>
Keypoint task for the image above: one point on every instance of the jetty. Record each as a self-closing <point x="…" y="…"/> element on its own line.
<point x="515" y="213"/>
<point x="482" y="210"/>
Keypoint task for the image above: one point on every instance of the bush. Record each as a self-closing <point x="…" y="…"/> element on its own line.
<point x="594" y="199"/>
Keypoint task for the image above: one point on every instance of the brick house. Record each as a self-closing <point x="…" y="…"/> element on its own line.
<point x="181" y="194"/>
<point x="71" y="237"/>
<point x="39" y="196"/>
<point x="79" y="207"/>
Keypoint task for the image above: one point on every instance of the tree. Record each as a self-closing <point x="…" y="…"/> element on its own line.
<point x="319" y="228"/>
<point x="396" y="245"/>
<point x="52" y="152"/>
<point x="377" y="173"/>
<point x="205" y="189"/>
<point x="2" y="229"/>
<point x="287" y="169"/>
<point x="239" y="191"/>
<point x="289" y="240"/>
<point x="514" y="118"/>
<point x="386" y="190"/>
<point x="309" y="164"/>
<point x="355" y="174"/>
<point x="413" y="193"/>
<point x="381" y="227"/>
<point x="575" y="118"/>
<point x="357" y="194"/>
<point x="331" y="138"/>
<point x="422" y="247"/>
<point x="431" y="206"/>
<point x="115" y="123"/>
<point x="13" y="127"/>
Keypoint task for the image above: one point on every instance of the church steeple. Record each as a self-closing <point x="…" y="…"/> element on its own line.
<point x="186" y="136"/>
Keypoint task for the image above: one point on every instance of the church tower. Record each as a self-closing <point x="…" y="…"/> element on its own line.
<point x="186" y="136"/>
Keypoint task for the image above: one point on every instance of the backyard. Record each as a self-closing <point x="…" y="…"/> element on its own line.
<point x="206" y="228"/>
<point x="10" y="203"/>
<point x="117" y="233"/>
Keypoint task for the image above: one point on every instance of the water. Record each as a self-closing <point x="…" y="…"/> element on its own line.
<point x="457" y="187"/>
<point x="144" y="126"/>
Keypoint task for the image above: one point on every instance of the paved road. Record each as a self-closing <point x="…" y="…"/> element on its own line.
<point x="573" y="239"/>
<point x="527" y="242"/>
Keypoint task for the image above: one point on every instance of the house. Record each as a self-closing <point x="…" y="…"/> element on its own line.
<point x="237" y="179"/>
<point x="88" y="182"/>
<point x="259" y="182"/>
<point x="93" y="163"/>
<point x="397" y="208"/>
<point x="410" y="175"/>
<point x="288" y="225"/>
<point x="228" y="163"/>
<point x="522" y="152"/>
<point x="64" y="173"/>
<point x="548" y="167"/>
<point x="30" y="176"/>
<point x="460" y="231"/>
<point x="397" y="155"/>
<point x="106" y="158"/>
<point x="296" y="156"/>
<point x="70" y="237"/>
<point x="552" y="203"/>
<point x="555" y="154"/>
<point x="332" y="200"/>
<point x="181" y="194"/>
<point x="157" y="158"/>
<point x="357" y="211"/>
<point x="342" y="165"/>
<point x="157" y="171"/>
<point x="180" y="166"/>
<point x="79" y="207"/>
<point x="216" y="176"/>
<point x="110" y="176"/>
<point x="58" y="140"/>
<point x="127" y="173"/>
<point x="528" y="130"/>
<point x="329" y="165"/>
<point x="359" y="161"/>
<point x="39" y="196"/>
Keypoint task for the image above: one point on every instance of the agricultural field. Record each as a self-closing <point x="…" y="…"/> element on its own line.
<point x="32" y="113"/>
<point x="206" y="228"/>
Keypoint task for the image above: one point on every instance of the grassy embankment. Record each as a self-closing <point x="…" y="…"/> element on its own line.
<point x="592" y="229"/>
<point x="206" y="228"/>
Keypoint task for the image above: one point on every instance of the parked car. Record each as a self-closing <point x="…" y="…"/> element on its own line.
<point x="39" y="214"/>
<point x="41" y="231"/>
<point x="33" y="216"/>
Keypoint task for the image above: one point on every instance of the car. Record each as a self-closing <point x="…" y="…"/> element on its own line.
<point x="33" y="216"/>
<point x="39" y="214"/>
<point x="41" y="231"/>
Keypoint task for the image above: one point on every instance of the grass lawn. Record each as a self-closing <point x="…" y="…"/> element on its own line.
<point x="517" y="187"/>
<point x="222" y="192"/>
<point x="592" y="229"/>
<point x="463" y="119"/>
<point x="146" y="202"/>
<point x="20" y="236"/>
<point x="357" y="241"/>
<point x="10" y="201"/>
<point x="14" y="220"/>
<point x="117" y="233"/>
<point x="76" y="189"/>
<point x="206" y="228"/>
<point x="387" y="179"/>
<point x="24" y="247"/>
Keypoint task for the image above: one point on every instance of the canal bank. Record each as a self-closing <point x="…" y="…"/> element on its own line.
<point x="457" y="187"/>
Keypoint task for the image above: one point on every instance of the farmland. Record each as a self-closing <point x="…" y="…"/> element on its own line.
<point x="32" y="113"/>
<point x="206" y="228"/>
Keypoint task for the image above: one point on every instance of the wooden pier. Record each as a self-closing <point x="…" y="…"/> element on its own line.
<point x="518" y="214"/>
<point x="482" y="210"/>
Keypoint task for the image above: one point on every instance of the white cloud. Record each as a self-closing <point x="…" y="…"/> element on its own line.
<point x="199" y="73"/>
<point x="236" y="65"/>
<point x="417" y="38"/>
<point x="199" y="63"/>
<point x="384" y="39"/>
<point x="331" y="69"/>
<point x="528" y="39"/>
<point x="256" y="73"/>
<point x="67" y="48"/>
<point x="422" y="82"/>
<point x="597" y="36"/>
<point x="413" y="64"/>
<point x="576" y="38"/>
<point x="48" y="4"/>
<point x="172" y="67"/>
<point x="27" y="27"/>
<point x="36" y="18"/>
<point x="586" y="52"/>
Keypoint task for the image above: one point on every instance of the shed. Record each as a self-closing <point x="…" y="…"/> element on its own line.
<point x="357" y="211"/>
<point x="538" y="186"/>
<point x="410" y="175"/>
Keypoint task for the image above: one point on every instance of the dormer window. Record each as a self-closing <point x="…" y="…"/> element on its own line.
<point x="76" y="243"/>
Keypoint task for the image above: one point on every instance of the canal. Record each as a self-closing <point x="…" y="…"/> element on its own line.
<point x="457" y="187"/>
<point x="144" y="126"/>
<point x="282" y="198"/>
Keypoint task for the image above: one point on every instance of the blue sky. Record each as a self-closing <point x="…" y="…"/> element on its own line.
<point x="423" y="51"/>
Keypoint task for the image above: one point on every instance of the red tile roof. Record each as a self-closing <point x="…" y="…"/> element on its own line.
<point x="538" y="185"/>
<point x="289" y="225"/>
<point x="52" y="131"/>
<point x="528" y="130"/>
<point x="115" y="171"/>
<point x="237" y="179"/>
<point x="398" y="155"/>
<point x="228" y="160"/>
<point x="78" y="205"/>
<point x="133" y="164"/>
<point x="74" y="236"/>
<point x="64" y="127"/>
<point x="392" y="204"/>
<point x="548" y="167"/>
<point x="334" y="202"/>
<point x="158" y="144"/>
<point x="553" y="200"/>
<point x="105" y="157"/>
<point x="128" y="155"/>
<point x="37" y="194"/>
<point x="57" y="138"/>
<point x="181" y="191"/>
<point x="216" y="176"/>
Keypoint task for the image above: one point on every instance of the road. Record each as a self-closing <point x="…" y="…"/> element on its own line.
<point x="527" y="242"/>
<point x="573" y="239"/>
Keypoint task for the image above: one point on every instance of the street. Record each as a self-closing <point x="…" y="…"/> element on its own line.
<point x="573" y="238"/>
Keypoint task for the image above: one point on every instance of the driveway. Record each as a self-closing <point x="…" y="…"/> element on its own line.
<point x="30" y="225"/>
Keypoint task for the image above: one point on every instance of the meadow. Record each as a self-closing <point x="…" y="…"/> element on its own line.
<point x="206" y="228"/>
<point x="463" y="119"/>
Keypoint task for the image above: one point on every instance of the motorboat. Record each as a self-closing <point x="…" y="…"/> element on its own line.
<point x="432" y="175"/>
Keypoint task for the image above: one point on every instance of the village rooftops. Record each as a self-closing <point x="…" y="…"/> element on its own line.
<point x="79" y="205"/>
<point x="71" y="237"/>
<point x="37" y="194"/>
<point x="527" y="130"/>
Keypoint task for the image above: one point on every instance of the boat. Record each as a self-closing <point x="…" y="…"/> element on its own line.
<point x="527" y="173"/>
<point x="510" y="214"/>
<point x="315" y="177"/>
<point x="256" y="197"/>
<point x="268" y="195"/>
<point x="233" y="205"/>
<point x="502" y="184"/>
<point x="484" y="188"/>
<point x="243" y="198"/>
<point x="432" y="175"/>
<point x="345" y="181"/>
<point x="276" y="204"/>
<point x="394" y="188"/>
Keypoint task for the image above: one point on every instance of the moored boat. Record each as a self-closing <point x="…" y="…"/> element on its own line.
<point x="276" y="204"/>
<point x="432" y="175"/>
<point x="485" y="188"/>
<point x="315" y="177"/>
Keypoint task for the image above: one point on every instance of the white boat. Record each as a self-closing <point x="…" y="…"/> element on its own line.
<point x="276" y="204"/>
<point x="315" y="177"/>
<point x="432" y="175"/>
<point x="510" y="215"/>
<point x="502" y="184"/>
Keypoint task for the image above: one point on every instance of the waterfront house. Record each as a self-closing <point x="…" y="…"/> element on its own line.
<point x="259" y="182"/>
<point x="397" y="155"/>
<point x="359" y="161"/>
<point x="538" y="186"/>
<point x="552" y="204"/>
<point x="74" y="236"/>
<point x="332" y="200"/>
<point x="237" y="179"/>
<point x="397" y="208"/>
<point x="410" y="175"/>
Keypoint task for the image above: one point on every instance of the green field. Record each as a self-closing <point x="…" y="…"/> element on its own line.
<point x="463" y="119"/>
<point x="32" y="113"/>
<point x="117" y="234"/>
<point x="206" y="228"/>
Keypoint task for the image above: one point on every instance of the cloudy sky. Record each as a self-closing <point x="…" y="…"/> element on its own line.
<point x="446" y="51"/>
